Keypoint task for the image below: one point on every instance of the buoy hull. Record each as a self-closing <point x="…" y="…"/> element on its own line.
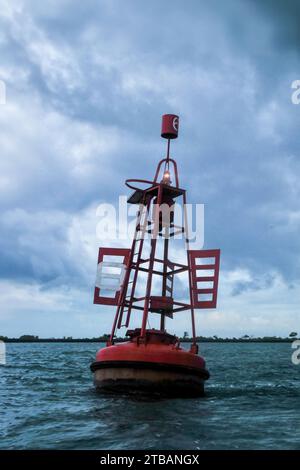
<point x="134" y="378"/>
<point x="158" y="366"/>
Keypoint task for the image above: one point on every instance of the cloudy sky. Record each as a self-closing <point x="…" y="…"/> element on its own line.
<point x="86" y="85"/>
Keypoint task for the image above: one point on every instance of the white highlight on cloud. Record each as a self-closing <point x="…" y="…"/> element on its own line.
<point x="57" y="64"/>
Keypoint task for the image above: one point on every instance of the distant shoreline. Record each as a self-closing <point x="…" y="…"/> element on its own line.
<point x="120" y="340"/>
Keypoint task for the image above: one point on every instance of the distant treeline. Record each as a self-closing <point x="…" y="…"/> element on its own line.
<point x="184" y="339"/>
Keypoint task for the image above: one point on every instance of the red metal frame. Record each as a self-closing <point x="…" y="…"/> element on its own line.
<point x="135" y="260"/>
<point x="121" y="252"/>
<point x="129" y="182"/>
<point x="196" y="278"/>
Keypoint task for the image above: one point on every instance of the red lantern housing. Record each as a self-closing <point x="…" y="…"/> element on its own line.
<point x="169" y="126"/>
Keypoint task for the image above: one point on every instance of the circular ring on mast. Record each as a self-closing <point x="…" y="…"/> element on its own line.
<point x="136" y="188"/>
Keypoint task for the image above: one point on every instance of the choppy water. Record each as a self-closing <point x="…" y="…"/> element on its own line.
<point x="47" y="401"/>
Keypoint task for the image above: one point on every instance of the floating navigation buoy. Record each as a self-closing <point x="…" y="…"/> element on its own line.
<point x="152" y="360"/>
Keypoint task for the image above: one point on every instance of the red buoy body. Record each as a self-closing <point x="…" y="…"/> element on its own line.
<point x="169" y="126"/>
<point x="158" y="364"/>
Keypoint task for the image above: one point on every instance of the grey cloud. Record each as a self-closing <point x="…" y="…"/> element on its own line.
<point x="225" y="67"/>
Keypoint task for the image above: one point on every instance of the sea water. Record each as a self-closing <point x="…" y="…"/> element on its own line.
<point x="47" y="401"/>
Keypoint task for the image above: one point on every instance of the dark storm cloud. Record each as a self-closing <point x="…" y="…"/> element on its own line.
<point x="284" y="14"/>
<point x="93" y="80"/>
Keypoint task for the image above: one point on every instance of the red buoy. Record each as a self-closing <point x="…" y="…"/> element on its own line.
<point x="152" y="360"/>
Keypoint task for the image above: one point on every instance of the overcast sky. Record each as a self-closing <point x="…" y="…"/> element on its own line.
<point x="86" y="85"/>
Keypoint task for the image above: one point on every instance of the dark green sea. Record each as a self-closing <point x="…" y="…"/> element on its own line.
<point x="47" y="401"/>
